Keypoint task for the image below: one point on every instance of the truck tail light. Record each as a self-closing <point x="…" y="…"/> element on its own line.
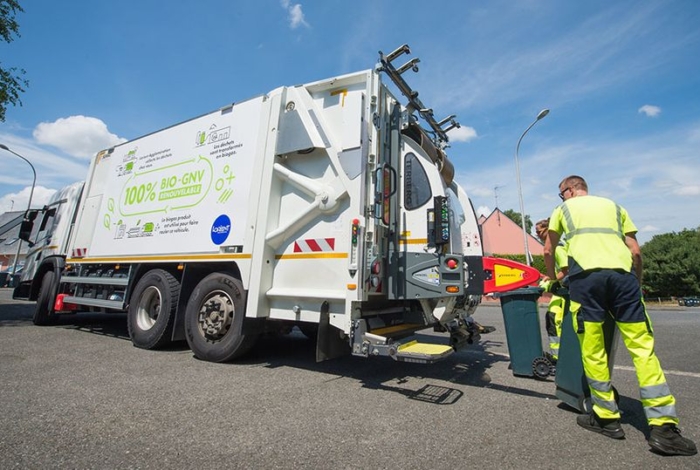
<point x="61" y="306"/>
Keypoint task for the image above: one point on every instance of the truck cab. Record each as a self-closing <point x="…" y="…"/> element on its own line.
<point x="47" y="236"/>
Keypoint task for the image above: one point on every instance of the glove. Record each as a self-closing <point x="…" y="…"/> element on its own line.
<point x="550" y="285"/>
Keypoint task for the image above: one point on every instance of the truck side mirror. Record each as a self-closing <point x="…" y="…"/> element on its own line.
<point x="25" y="230"/>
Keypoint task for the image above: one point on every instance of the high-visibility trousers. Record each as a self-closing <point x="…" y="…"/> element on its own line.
<point x="552" y="322"/>
<point x="658" y="403"/>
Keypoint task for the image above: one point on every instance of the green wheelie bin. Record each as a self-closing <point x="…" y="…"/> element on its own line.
<point x="523" y="334"/>
<point x="571" y="384"/>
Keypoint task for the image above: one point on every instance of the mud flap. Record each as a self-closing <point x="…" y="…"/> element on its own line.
<point x="329" y="343"/>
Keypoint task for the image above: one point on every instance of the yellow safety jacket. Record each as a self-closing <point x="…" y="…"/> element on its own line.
<point x="561" y="259"/>
<point x="595" y="229"/>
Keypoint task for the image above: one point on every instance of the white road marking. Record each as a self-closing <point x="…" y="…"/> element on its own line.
<point x="666" y="372"/>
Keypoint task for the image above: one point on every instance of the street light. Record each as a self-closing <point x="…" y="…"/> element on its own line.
<point x="29" y="204"/>
<point x="542" y="114"/>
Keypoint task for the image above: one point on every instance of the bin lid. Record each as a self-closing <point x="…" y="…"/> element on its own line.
<point x="534" y="291"/>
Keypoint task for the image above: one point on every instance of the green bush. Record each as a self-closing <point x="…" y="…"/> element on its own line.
<point x="537" y="260"/>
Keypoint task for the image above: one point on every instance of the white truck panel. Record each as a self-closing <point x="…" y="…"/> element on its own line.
<point x="316" y="195"/>
<point x="182" y="190"/>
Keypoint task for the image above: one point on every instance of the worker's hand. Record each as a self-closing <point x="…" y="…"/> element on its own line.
<point x="549" y="285"/>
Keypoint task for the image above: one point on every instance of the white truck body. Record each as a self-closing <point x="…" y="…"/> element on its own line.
<point x="324" y="205"/>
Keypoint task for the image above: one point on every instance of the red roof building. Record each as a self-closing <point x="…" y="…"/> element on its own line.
<point x="501" y="236"/>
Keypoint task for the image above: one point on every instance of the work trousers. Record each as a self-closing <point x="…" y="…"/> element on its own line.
<point x="552" y="323"/>
<point x="617" y="293"/>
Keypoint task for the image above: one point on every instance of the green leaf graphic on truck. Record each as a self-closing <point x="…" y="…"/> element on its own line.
<point x="168" y="188"/>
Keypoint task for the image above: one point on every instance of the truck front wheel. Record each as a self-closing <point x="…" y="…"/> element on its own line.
<point x="151" y="312"/>
<point x="214" y="319"/>
<point x="43" y="313"/>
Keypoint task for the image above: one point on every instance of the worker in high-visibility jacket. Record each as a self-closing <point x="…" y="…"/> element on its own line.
<point x="555" y="309"/>
<point x="605" y="274"/>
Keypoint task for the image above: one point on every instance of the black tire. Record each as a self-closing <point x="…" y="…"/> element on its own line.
<point x="43" y="312"/>
<point x="214" y="319"/>
<point x="151" y="314"/>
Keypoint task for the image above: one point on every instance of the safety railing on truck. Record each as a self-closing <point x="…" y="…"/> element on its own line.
<point x="440" y="128"/>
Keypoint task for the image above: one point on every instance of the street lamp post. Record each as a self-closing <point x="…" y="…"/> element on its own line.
<point x="29" y="204"/>
<point x="542" y="114"/>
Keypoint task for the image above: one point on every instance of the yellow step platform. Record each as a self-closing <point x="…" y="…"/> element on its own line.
<point x="424" y="353"/>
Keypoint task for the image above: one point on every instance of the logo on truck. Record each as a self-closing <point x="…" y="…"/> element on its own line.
<point x="212" y="135"/>
<point x="220" y="229"/>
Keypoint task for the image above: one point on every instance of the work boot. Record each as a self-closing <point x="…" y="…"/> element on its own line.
<point x="607" y="427"/>
<point x="667" y="440"/>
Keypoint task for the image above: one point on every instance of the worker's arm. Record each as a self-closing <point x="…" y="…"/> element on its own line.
<point x="550" y="244"/>
<point x="633" y="245"/>
<point x="563" y="272"/>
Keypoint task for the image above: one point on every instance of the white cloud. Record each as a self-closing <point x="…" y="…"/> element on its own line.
<point x="18" y="201"/>
<point x="649" y="229"/>
<point x="649" y="110"/>
<point x="462" y="134"/>
<point x="53" y="169"/>
<point x="80" y="136"/>
<point x="296" y="15"/>
<point x="483" y="210"/>
<point x="688" y="190"/>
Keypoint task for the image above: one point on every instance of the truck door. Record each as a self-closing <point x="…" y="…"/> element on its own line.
<point x="428" y="258"/>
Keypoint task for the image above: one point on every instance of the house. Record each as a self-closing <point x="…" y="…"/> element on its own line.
<point x="501" y="236"/>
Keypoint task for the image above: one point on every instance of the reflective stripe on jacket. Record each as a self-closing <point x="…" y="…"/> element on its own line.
<point x="595" y="229"/>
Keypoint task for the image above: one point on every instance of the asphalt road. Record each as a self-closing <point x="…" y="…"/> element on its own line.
<point x="78" y="395"/>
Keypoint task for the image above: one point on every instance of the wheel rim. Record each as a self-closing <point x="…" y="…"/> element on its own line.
<point x="541" y="367"/>
<point x="148" y="308"/>
<point x="216" y="315"/>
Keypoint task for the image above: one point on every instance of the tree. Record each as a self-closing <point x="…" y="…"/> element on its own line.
<point x="12" y="82"/>
<point x="672" y="264"/>
<point x="515" y="217"/>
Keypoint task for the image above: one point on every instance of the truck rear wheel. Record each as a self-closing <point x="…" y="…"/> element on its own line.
<point x="214" y="319"/>
<point x="43" y="313"/>
<point x="151" y="314"/>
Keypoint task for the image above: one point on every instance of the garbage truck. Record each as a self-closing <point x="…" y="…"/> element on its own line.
<point x="330" y="206"/>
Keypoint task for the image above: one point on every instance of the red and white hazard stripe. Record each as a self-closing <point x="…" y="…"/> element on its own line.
<point x="79" y="252"/>
<point x="314" y="245"/>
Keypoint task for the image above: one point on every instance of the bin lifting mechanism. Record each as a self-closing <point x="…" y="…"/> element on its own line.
<point x="503" y="275"/>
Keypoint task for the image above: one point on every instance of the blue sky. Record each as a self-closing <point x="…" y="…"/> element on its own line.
<point x="622" y="81"/>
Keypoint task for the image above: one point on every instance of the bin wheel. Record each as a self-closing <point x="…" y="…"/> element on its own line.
<point x="585" y="405"/>
<point x="541" y="367"/>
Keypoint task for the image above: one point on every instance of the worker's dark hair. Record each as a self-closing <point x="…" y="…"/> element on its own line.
<point x="575" y="182"/>
<point x="542" y="224"/>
